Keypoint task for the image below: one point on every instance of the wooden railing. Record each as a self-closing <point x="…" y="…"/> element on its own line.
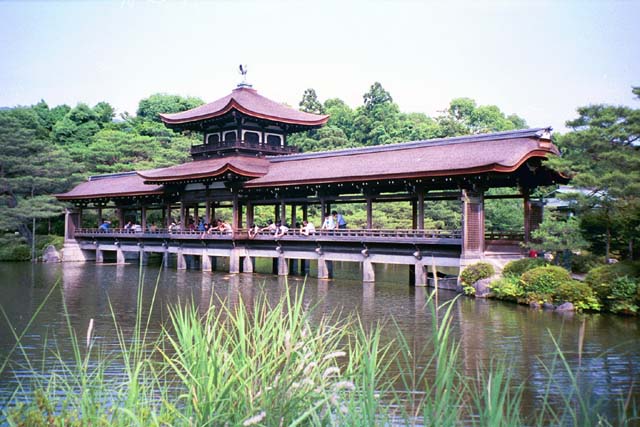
<point x="292" y="234"/>
<point x="265" y="148"/>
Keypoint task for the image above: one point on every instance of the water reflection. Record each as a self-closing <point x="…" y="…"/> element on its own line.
<point x="485" y="330"/>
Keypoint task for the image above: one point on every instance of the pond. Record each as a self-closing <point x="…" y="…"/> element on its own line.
<point x="609" y="362"/>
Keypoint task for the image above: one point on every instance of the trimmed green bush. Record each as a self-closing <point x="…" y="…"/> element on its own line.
<point x="473" y="273"/>
<point x="518" y="267"/>
<point x="601" y="278"/>
<point x="578" y="293"/>
<point x="541" y="283"/>
<point x="624" y="295"/>
<point x="507" y="288"/>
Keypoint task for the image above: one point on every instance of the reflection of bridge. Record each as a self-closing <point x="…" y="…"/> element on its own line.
<point x="293" y="252"/>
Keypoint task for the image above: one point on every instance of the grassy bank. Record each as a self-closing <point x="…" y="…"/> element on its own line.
<point x="267" y="364"/>
<point x="15" y="248"/>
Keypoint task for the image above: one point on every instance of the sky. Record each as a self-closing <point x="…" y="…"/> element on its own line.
<point x="537" y="59"/>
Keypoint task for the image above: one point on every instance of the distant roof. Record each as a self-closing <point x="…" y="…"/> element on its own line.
<point x="112" y="185"/>
<point x="496" y="152"/>
<point x="249" y="102"/>
<point x="242" y="165"/>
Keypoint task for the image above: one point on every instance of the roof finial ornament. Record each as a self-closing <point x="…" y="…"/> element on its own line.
<point x="243" y="72"/>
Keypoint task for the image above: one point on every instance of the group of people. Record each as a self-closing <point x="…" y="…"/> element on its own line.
<point x="334" y="221"/>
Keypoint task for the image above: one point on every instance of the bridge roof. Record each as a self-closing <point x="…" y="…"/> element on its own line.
<point x="111" y="186"/>
<point x="249" y="102"/>
<point x="251" y="167"/>
<point x="497" y="152"/>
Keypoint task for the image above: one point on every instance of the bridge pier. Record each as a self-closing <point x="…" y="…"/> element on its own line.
<point x="420" y="277"/>
<point x="143" y="257"/>
<point x="283" y="266"/>
<point x="368" y="274"/>
<point x="205" y="263"/>
<point x="247" y="264"/>
<point x="323" y="268"/>
<point x="181" y="261"/>
<point x="99" y="256"/>
<point x="120" y="258"/>
<point x="234" y="261"/>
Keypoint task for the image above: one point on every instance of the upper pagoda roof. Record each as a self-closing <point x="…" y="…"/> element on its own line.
<point x="247" y="101"/>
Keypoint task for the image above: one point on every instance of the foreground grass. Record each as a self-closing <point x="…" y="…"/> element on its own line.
<point x="269" y="365"/>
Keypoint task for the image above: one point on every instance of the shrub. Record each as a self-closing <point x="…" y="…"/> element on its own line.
<point x="473" y="273"/>
<point x="518" y="267"/>
<point x="578" y="293"/>
<point x="601" y="278"/>
<point x="541" y="283"/>
<point x="624" y="296"/>
<point x="584" y="262"/>
<point x="507" y="288"/>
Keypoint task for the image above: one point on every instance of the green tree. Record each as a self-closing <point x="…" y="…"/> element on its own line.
<point x="310" y="102"/>
<point x="150" y="108"/>
<point x="602" y="155"/>
<point x="31" y="169"/>
<point x="376" y="96"/>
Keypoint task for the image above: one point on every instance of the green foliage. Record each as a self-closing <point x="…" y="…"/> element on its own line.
<point x="518" y="267"/>
<point x="541" y="283"/>
<point x="624" y="296"/>
<point x="557" y="234"/>
<point x="578" y="293"/>
<point x="151" y="107"/>
<point x="473" y="273"/>
<point x="310" y="102"/>
<point x="508" y="288"/>
<point x="601" y="278"/>
<point x="584" y="262"/>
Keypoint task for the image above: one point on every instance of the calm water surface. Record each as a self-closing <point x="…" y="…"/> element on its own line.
<point x="485" y="330"/>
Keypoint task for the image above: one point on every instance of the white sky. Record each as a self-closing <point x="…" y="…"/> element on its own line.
<point x="537" y="59"/>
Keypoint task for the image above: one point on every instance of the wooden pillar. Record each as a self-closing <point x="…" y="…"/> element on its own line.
<point x="305" y="209"/>
<point x="414" y="214"/>
<point x="120" y="213"/>
<point x="196" y="212"/>
<point x="420" y="209"/>
<point x="236" y="222"/>
<point x="472" y="224"/>
<point x="167" y="216"/>
<point x="283" y="212"/>
<point x="293" y="215"/>
<point x="183" y="213"/>
<point x="207" y="211"/>
<point x="213" y="212"/>
<point x="323" y="210"/>
<point x="143" y="218"/>
<point x="369" y="213"/>
<point x="250" y="213"/>
<point x="100" y="219"/>
<point x="276" y="213"/>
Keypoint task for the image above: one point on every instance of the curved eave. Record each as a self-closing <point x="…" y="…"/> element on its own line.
<point x="204" y="175"/>
<point x="493" y="167"/>
<point x="65" y="197"/>
<point x="233" y="104"/>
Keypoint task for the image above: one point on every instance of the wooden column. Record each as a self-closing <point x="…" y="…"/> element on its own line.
<point x="283" y="212"/>
<point x="293" y="215"/>
<point x="369" y="212"/>
<point x="420" y="209"/>
<point x="414" y="214"/>
<point x="143" y="218"/>
<point x="305" y="212"/>
<point x="167" y="216"/>
<point x="276" y="213"/>
<point x="250" y="213"/>
<point x="323" y="211"/>
<point x="120" y="213"/>
<point x="207" y="211"/>
<point x="196" y="212"/>
<point x="472" y="224"/>
<point x="183" y="213"/>
<point x="236" y="222"/>
<point x="100" y="217"/>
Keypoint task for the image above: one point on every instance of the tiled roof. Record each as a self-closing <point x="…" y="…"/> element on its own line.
<point x="241" y="165"/>
<point x="108" y="186"/>
<point x="248" y="101"/>
<point x="501" y="152"/>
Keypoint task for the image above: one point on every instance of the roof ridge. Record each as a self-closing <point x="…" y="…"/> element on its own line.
<point x="111" y="175"/>
<point x="537" y="132"/>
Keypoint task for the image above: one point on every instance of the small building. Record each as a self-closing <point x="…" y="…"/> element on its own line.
<point x="245" y="160"/>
